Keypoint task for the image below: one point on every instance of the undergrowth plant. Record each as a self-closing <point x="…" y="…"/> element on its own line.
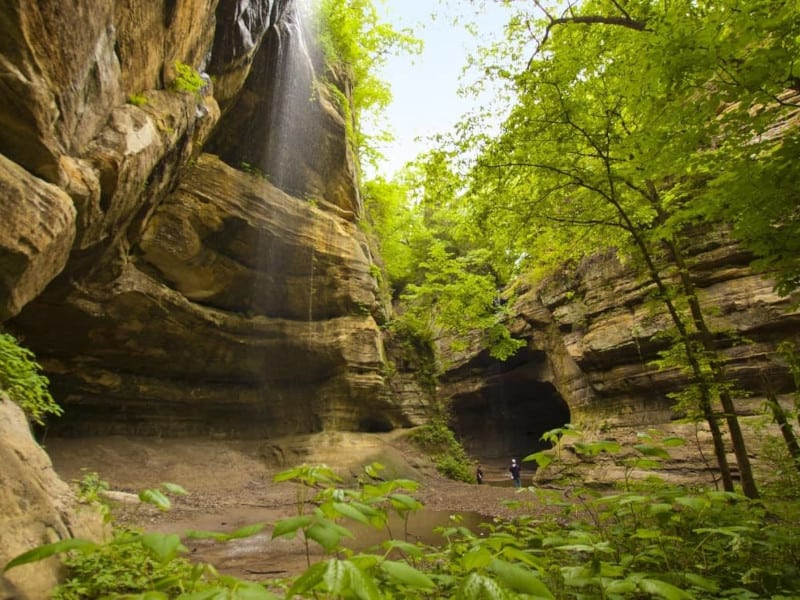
<point x="22" y="380"/>
<point x="439" y="441"/>
<point x="649" y="539"/>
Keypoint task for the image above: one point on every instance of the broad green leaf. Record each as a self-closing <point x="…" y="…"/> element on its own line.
<point x="520" y="579"/>
<point x="246" y="531"/>
<point x="309" y="580"/>
<point x="290" y="526"/>
<point x="543" y="458"/>
<point x="410" y="549"/>
<point x="247" y="590"/>
<point x="663" y="589"/>
<point x="404" y="502"/>
<point x="327" y="534"/>
<point x="350" y="511"/>
<point x="47" y="550"/>
<point x="619" y="586"/>
<point x="360" y="583"/>
<point x="659" y="508"/>
<point x="703" y="583"/>
<point x="156" y="498"/>
<point x="200" y="534"/>
<point x="648" y="450"/>
<point x="174" y="488"/>
<point x="243" y="532"/>
<point x="475" y="559"/>
<point x="633" y="499"/>
<point x="163" y="547"/>
<point x="672" y="442"/>
<point x="647" y="534"/>
<point x="696" y="504"/>
<point x="478" y="587"/>
<point x="406" y="574"/>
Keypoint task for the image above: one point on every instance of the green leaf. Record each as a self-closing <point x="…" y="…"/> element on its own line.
<point x="406" y="574"/>
<point x="543" y="458"/>
<point x="696" y="504"/>
<point x="672" y="442"/>
<point x="156" y="498"/>
<point x="703" y="583"/>
<point x="410" y="549"/>
<point x="163" y="547"/>
<point x="663" y="589"/>
<point x="247" y="590"/>
<point x="290" y="526"/>
<point x="479" y="587"/>
<point x="174" y="488"/>
<point x="47" y="550"/>
<point x="199" y="534"/>
<point x="327" y="534"/>
<point x="476" y="558"/>
<point x="404" y="502"/>
<point x="648" y="450"/>
<point x="246" y="531"/>
<point x="309" y="580"/>
<point x="520" y="579"/>
<point x="350" y="511"/>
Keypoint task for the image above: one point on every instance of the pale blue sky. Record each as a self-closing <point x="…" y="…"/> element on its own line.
<point x="424" y="87"/>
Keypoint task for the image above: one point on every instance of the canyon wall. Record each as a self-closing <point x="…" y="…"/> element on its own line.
<point x="187" y="262"/>
<point x="592" y="335"/>
<point x="178" y="237"/>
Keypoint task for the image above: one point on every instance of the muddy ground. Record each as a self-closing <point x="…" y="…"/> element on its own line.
<point x="230" y="485"/>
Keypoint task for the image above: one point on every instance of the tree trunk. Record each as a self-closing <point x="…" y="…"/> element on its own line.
<point x="779" y="416"/>
<point x="717" y="373"/>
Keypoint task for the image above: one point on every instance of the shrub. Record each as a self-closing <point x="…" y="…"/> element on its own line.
<point x="21" y="379"/>
<point x="187" y="79"/>
<point x="438" y="440"/>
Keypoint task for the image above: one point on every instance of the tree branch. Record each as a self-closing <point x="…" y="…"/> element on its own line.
<point x="624" y="20"/>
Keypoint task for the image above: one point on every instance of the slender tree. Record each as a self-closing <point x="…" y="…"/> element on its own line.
<point x="627" y="116"/>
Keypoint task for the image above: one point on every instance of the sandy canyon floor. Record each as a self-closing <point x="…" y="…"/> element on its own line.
<point x="230" y="485"/>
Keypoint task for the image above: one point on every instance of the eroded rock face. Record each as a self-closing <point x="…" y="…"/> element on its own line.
<point x="37" y="234"/>
<point x="286" y="123"/>
<point x="164" y="292"/>
<point x="590" y="345"/>
<point x="240" y="311"/>
<point x="37" y="508"/>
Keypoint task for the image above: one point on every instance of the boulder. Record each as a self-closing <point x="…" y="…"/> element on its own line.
<point x="36" y="507"/>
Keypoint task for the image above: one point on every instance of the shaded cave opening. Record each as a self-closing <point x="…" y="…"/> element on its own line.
<point x="506" y="419"/>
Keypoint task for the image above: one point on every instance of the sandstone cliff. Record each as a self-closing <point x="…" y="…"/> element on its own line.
<point x="165" y="289"/>
<point x="591" y="338"/>
<point x="178" y="237"/>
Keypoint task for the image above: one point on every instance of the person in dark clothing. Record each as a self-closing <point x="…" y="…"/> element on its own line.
<point x="479" y="475"/>
<point x="514" y="470"/>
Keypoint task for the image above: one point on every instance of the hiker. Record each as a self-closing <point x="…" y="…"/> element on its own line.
<point x="479" y="475"/>
<point x="514" y="470"/>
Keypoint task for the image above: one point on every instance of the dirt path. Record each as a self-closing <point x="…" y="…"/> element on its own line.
<point x="231" y="485"/>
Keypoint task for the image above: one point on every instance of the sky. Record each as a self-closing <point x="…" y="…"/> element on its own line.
<point x="425" y="87"/>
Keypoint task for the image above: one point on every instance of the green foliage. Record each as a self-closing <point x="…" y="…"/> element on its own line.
<point x="355" y="41"/>
<point x="652" y="540"/>
<point x="439" y="441"/>
<point x="187" y="79"/>
<point x="137" y="99"/>
<point x="124" y="565"/>
<point x="90" y="491"/>
<point x="253" y="170"/>
<point x="21" y="379"/>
